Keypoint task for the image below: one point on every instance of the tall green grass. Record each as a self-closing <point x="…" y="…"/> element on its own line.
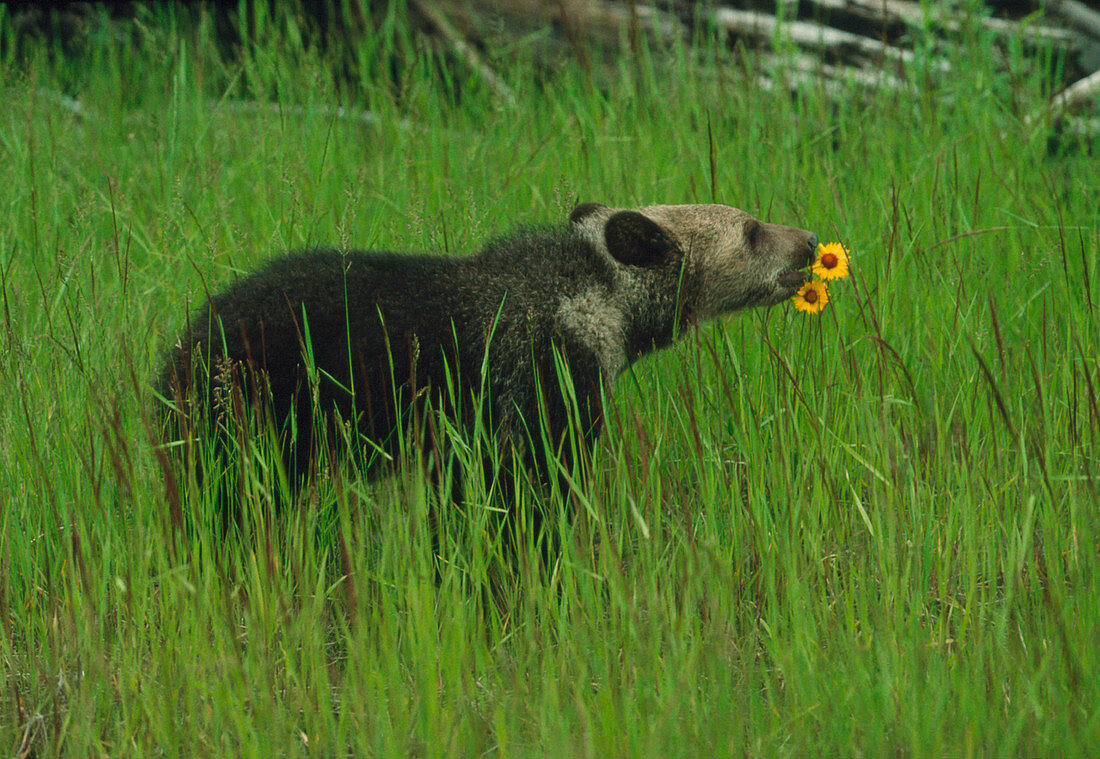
<point x="873" y="531"/>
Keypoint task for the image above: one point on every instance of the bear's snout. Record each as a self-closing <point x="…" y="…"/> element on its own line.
<point x="801" y="254"/>
<point x="809" y="253"/>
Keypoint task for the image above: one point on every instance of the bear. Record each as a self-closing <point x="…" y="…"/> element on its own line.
<point x="537" y="325"/>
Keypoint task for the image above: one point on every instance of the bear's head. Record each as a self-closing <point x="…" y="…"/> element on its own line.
<point x="723" y="258"/>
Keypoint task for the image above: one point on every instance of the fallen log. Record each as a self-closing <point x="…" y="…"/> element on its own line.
<point x="1076" y="14"/>
<point x="810" y="35"/>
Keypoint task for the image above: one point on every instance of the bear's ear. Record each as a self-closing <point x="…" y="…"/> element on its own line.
<point x="584" y="209"/>
<point x="636" y="240"/>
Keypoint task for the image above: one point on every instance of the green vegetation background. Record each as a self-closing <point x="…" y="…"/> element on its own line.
<point x="870" y="532"/>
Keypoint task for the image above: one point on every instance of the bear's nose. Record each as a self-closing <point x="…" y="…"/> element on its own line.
<point x="813" y="241"/>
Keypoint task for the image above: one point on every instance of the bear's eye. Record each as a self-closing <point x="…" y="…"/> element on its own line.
<point x="752" y="231"/>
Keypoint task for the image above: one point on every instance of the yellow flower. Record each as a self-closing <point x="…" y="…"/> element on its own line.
<point x="812" y="297"/>
<point x="832" y="261"/>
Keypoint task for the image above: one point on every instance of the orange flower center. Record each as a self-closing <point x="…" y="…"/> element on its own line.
<point x="829" y="260"/>
<point x="810" y="296"/>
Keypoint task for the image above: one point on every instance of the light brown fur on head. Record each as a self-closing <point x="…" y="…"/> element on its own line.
<point x="731" y="260"/>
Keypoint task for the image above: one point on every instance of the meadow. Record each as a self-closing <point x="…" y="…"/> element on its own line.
<point x="868" y="532"/>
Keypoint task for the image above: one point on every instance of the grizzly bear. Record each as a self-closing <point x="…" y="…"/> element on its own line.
<point x="523" y="339"/>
